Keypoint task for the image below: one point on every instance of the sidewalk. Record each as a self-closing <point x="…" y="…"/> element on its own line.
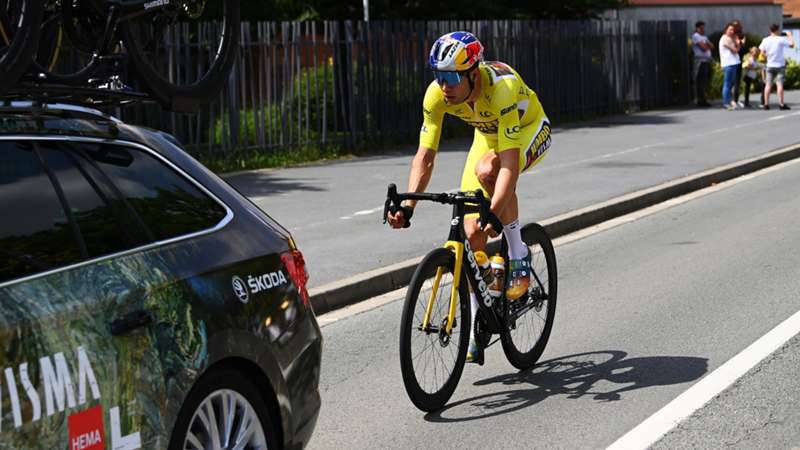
<point x="334" y="210"/>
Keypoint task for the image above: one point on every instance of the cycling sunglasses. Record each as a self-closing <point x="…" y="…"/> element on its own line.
<point x="451" y="78"/>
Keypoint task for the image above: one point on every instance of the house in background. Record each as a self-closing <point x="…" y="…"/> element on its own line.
<point x="791" y="22"/>
<point x="756" y="15"/>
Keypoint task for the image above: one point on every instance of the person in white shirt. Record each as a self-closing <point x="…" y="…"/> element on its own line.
<point x="729" y="45"/>
<point x="773" y="46"/>
<point x="701" y="48"/>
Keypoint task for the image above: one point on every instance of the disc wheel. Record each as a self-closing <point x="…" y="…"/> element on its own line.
<point x="526" y="337"/>
<point x="183" y="59"/>
<point x="432" y="360"/>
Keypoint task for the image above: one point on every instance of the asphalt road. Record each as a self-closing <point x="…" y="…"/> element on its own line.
<point x="645" y="310"/>
<point x="334" y="210"/>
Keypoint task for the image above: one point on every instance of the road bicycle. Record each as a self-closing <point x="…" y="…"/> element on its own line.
<point x="434" y="329"/>
<point x="176" y="54"/>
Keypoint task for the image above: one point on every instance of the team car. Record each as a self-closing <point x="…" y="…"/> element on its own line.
<point x="144" y="302"/>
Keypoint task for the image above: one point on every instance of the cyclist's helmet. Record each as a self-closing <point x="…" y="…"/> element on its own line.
<point x="458" y="51"/>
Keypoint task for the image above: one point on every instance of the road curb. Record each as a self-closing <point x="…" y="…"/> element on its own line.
<point x="380" y="281"/>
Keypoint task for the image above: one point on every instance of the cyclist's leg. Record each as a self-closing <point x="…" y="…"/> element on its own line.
<point x="477" y="238"/>
<point x="536" y="141"/>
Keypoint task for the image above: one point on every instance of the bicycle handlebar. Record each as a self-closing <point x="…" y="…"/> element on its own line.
<point x="393" y="200"/>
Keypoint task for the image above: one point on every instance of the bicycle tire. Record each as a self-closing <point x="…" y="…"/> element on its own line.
<point x="19" y="48"/>
<point x="423" y="398"/>
<point x="66" y="54"/>
<point x="190" y="97"/>
<point x="542" y="251"/>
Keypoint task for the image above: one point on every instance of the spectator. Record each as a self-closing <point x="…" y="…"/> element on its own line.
<point x="753" y="75"/>
<point x="773" y="46"/>
<point x="729" y="45"/>
<point x="739" y="30"/>
<point x="701" y="47"/>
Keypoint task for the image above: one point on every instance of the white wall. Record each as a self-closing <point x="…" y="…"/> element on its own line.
<point x="756" y="19"/>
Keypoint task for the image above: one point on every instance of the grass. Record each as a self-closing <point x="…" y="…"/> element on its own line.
<point x="260" y="160"/>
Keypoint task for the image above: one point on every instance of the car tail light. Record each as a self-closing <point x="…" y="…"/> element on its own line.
<point x="296" y="266"/>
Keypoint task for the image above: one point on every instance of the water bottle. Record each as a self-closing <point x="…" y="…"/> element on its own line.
<point x="498" y="265"/>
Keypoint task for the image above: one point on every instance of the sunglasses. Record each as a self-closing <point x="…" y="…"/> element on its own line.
<point x="451" y="78"/>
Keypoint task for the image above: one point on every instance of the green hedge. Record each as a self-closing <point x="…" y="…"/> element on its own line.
<point x="714" y="90"/>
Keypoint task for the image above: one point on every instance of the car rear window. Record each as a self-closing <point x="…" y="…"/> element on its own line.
<point x="168" y="204"/>
<point x="64" y="202"/>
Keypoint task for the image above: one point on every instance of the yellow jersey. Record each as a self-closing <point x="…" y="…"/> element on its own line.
<point x="505" y="106"/>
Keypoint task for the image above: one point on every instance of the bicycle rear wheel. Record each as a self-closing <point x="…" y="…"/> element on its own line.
<point x="527" y="335"/>
<point x="430" y="360"/>
<point x="183" y="62"/>
<point x="19" y="36"/>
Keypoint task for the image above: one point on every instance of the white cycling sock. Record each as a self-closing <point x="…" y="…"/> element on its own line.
<point x="473" y="302"/>
<point x="516" y="248"/>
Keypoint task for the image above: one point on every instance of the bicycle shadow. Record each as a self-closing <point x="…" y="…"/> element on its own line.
<point x="604" y="375"/>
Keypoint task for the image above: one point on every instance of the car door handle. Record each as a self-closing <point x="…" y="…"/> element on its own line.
<point x="131" y="321"/>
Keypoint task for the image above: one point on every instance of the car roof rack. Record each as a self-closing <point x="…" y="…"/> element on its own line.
<point x="93" y="97"/>
<point x="38" y="108"/>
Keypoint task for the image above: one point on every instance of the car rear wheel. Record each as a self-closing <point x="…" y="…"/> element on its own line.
<point x="224" y="411"/>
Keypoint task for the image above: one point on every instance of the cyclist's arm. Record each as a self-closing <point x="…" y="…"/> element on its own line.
<point x="432" y="118"/>
<point x="421" y="171"/>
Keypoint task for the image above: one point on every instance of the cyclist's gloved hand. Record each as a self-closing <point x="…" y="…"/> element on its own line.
<point x="401" y="217"/>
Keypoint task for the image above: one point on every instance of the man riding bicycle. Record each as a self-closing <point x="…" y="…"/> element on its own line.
<point x="512" y="134"/>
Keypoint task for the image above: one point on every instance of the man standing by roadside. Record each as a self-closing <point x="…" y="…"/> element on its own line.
<point x="729" y="45"/>
<point x="701" y="47"/>
<point x="773" y="46"/>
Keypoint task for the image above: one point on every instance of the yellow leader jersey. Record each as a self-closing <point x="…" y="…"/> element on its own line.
<point x="505" y="106"/>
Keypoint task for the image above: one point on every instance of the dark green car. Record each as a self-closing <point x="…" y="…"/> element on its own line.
<point x="145" y="302"/>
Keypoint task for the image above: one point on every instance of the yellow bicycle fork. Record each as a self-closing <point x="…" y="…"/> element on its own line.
<point x="458" y="249"/>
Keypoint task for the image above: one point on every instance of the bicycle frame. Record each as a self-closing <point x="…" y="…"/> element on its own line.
<point x="458" y="243"/>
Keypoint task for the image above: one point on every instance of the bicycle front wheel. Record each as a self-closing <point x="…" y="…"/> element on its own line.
<point x="531" y="316"/>
<point x="432" y="360"/>
<point x="19" y="36"/>
<point x="184" y="61"/>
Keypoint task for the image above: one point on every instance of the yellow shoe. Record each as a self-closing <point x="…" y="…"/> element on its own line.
<point x="520" y="279"/>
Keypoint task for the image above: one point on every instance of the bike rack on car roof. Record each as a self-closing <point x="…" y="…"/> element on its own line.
<point x="61" y="100"/>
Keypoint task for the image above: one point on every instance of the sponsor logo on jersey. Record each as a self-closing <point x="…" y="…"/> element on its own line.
<point x="539" y="145"/>
<point x="508" y="109"/>
<point x="486" y="114"/>
<point x="485" y="127"/>
<point x="512" y="132"/>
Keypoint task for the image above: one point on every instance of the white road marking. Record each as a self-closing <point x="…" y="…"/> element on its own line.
<point x="660" y="423"/>
<point x="368" y="211"/>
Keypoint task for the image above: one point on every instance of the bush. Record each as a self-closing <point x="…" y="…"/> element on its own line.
<point x="280" y="119"/>
<point x="714" y="90"/>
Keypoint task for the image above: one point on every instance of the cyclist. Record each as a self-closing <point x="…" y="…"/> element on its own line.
<point x="512" y="134"/>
